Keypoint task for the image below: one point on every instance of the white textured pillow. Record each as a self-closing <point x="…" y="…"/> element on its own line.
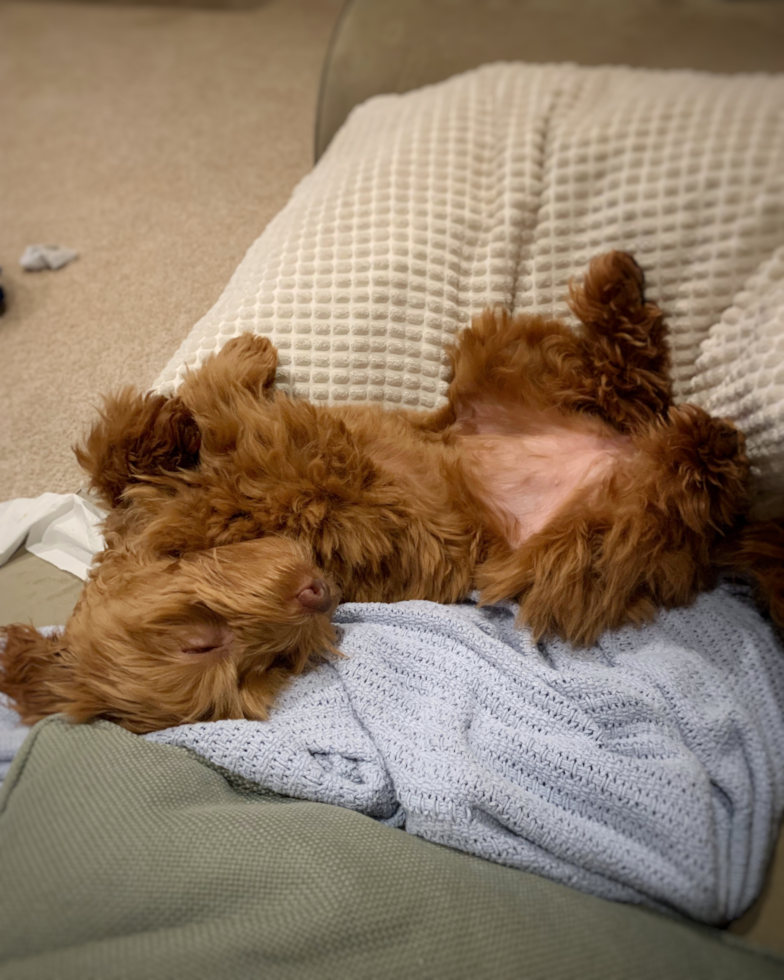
<point x="497" y="186"/>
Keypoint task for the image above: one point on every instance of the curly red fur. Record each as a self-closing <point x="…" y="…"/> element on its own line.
<point x="137" y="435"/>
<point x="558" y="474"/>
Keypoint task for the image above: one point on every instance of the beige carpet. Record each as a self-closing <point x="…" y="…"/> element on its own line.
<point x="158" y="142"/>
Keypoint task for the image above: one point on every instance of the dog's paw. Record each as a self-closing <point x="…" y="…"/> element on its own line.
<point x="611" y="292"/>
<point x="624" y="337"/>
<point x="702" y="448"/>
<point x="247" y="346"/>
<point x="703" y="467"/>
<point x="251" y="360"/>
<point x="614" y="281"/>
<point x="138" y="436"/>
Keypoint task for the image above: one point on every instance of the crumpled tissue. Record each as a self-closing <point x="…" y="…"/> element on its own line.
<point x="38" y="257"/>
<point x="63" y="529"/>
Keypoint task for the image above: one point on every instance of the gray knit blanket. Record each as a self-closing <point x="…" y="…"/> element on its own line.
<point x="648" y="769"/>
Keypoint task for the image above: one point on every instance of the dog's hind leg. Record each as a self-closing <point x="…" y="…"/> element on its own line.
<point x="138" y="436"/>
<point x="615" y="366"/>
<point x="623" y="343"/>
<point x="511" y="360"/>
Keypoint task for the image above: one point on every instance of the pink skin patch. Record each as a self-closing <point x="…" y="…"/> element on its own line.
<point x="526" y="466"/>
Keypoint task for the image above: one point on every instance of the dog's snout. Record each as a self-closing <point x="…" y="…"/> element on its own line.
<point x="316" y="596"/>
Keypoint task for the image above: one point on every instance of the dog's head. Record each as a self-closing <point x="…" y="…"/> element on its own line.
<point x="150" y="645"/>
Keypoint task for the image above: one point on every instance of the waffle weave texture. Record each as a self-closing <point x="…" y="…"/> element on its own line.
<point x="647" y="769"/>
<point x="496" y="187"/>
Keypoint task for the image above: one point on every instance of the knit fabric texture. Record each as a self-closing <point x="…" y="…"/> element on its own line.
<point x="647" y="769"/>
<point x="497" y="187"/>
<point x="12" y="735"/>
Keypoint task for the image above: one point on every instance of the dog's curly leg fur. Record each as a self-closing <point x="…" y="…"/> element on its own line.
<point x="623" y="343"/>
<point x="645" y="540"/>
<point x="244" y="370"/>
<point x="143" y="436"/>
<point x="616" y="366"/>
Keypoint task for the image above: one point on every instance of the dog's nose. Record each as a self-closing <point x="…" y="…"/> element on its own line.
<point x="316" y="596"/>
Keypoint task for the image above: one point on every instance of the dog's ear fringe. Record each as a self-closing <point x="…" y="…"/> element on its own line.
<point x="137" y="435"/>
<point x="31" y="665"/>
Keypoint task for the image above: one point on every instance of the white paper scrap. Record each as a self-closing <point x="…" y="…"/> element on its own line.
<point x="63" y="529"/>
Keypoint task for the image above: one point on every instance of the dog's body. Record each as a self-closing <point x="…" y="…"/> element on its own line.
<point x="558" y="474"/>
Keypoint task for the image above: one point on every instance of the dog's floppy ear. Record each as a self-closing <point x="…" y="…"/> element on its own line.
<point x="758" y="551"/>
<point x="138" y="436"/>
<point x="32" y="670"/>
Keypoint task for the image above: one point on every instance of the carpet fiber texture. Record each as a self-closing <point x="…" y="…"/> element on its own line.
<point x="157" y="142"/>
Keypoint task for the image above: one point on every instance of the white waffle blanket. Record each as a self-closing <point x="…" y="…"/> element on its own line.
<point x="496" y="187"/>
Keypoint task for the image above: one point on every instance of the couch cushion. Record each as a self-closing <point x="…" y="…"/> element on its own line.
<point x="124" y="859"/>
<point x="498" y="186"/>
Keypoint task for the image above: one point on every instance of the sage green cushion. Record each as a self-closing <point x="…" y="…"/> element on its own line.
<point x="125" y="859"/>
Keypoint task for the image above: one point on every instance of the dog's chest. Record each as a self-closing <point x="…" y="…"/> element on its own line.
<point x="526" y="477"/>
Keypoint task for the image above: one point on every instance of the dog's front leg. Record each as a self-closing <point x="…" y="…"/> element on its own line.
<point x="241" y="373"/>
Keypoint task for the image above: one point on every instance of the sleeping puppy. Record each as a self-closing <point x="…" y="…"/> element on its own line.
<point x="558" y="474"/>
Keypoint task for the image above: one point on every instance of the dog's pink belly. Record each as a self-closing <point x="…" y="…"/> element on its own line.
<point x="526" y="478"/>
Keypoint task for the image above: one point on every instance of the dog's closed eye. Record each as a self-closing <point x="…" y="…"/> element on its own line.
<point x="203" y="638"/>
<point x="198" y="649"/>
